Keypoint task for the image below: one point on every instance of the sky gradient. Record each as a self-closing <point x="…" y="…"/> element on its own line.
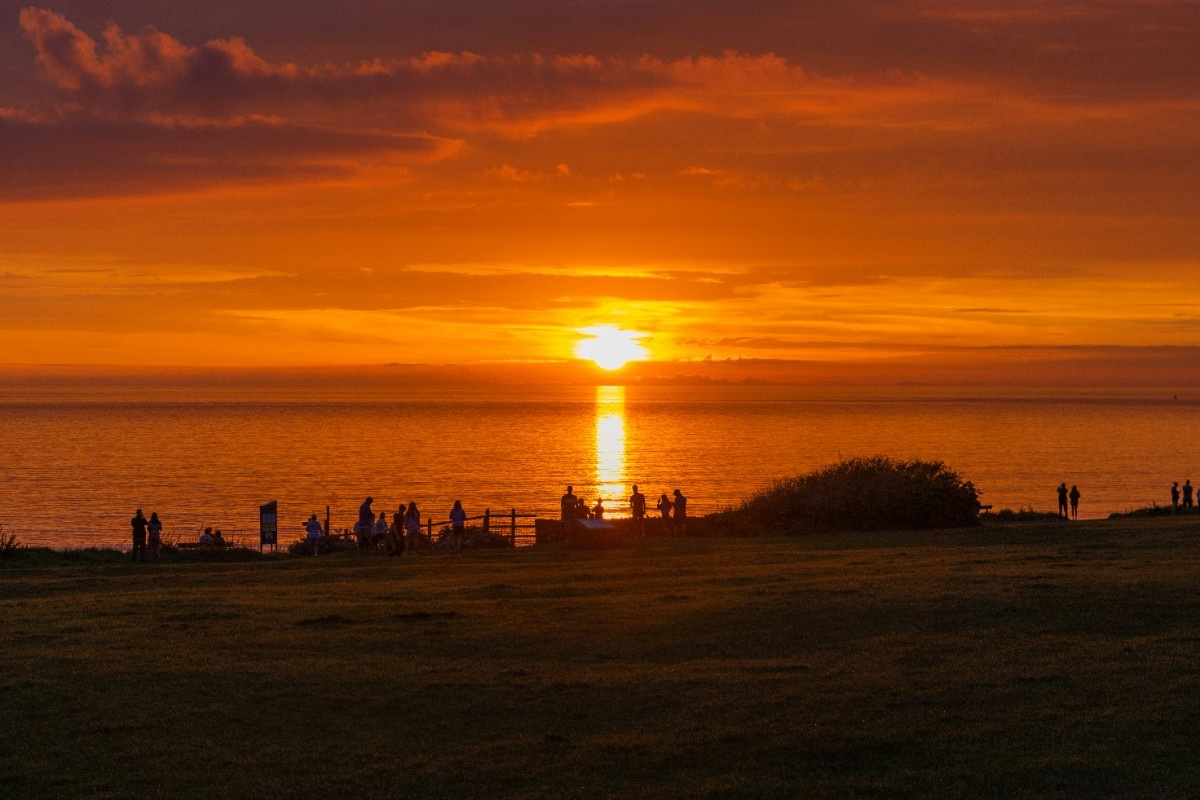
<point x="913" y="190"/>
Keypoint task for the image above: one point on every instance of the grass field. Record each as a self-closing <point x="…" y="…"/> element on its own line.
<point x="1031" y="660"/>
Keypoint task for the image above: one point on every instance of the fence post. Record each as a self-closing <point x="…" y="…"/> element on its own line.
<point x="487" y="520"/>
<point x="514" y="528"/>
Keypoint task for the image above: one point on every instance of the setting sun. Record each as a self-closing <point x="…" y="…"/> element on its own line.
<point x="610" y="347"/>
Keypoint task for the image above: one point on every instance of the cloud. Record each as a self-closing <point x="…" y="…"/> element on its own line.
<point x="517" y="94"/>
<point x="82" y="153"/>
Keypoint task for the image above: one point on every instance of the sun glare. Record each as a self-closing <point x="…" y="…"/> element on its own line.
<point x="610" y="347"/>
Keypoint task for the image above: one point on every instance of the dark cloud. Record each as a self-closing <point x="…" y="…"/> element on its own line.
<point x="82" y="153"/>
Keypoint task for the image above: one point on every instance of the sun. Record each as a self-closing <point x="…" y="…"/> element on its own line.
<point x="610" y="347"/>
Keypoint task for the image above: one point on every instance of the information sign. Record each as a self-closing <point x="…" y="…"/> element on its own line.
<point x="268" y="524"/>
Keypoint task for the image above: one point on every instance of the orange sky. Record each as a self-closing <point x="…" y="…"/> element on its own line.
<point x="894" y="191"/>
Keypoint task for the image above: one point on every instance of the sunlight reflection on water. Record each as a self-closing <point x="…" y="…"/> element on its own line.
<point x="610" y="443"/>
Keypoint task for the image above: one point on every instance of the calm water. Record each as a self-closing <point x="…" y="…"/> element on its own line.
<point x="78" y="463"/>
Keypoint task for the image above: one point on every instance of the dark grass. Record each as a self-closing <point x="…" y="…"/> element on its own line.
<point x="1028" y="660"/>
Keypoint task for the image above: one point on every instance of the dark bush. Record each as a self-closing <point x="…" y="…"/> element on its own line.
<point x="866" y="494"/>
<point x="1148" y="511"/>
<point x="1005" y="515"/>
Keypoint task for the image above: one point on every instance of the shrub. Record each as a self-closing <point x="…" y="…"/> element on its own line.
<point x="9" y="544"/>
<point x="473" y="536"/>
<point x="1006" y="515"/>
<point x="328" y="543"/>
<point x="1148" y="511"/>
<point x="874" y="493"/>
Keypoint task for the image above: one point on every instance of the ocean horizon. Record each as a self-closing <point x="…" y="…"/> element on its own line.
<point x="82" y="457"/>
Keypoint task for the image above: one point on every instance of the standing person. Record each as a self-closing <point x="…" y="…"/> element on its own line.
<point x="567" y="507"/>
<point x="458" y="521"/>
<point x="1062" y="499"/>
<point x="381" y="531"/>
<point x="664" y="508"/>
<point x="1175" y="496"/>
<point x="680" y="513"/>
<point x="1187" y="494"/>
<point x="312" y="530"/>
<point x="139" y="524"/>
<point x="412" y="527"/>
<point x="1074" y="501"/>
<point x="154" y="529"/>
<point x="366" y="519"/>
<point x="637" y="505"/>
<point x="394" y="545"/>
<point x="598" y="509"/>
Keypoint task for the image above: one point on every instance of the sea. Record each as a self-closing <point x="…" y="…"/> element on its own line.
<point x="77" y="461"/>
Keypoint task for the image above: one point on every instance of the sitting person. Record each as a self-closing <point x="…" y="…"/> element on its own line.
<point x="217" y="539"/>
<point x="207" y="536"/>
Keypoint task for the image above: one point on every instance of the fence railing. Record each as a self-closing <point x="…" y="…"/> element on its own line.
<point x="511" y="523"/>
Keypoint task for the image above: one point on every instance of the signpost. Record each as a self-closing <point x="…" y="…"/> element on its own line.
<point x="268" y="525"/>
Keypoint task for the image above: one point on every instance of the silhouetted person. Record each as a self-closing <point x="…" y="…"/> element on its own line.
<point x="206" y="537"/>
<point x="366" y="519"/>
<point x="412" y="526"/>
<point x="1175" y="496"/>
<point x="1062" y="500"/>
<point x="458" y="523"/>
<point x="680" y="515"/>
<point x="637" y="505"/>
<point x="1187" y="493"/>
<point x="664" y="508"/>
<point x="1074" y="501"/>
<point x="567" y="507"/>
<point x="598" y="509"/>
<point x="395" y="540"/>
<point x="154" y="543"/>
<point x="312" y="531"/>
<point x="218" y="539"/>
<point x="381" y="531"/>
<point x="139" y="524"/>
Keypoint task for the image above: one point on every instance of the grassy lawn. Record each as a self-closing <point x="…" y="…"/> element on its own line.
<point x="1032" y="660"/>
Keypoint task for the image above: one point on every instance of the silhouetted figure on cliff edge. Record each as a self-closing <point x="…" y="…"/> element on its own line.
<point x="139" y="524"/>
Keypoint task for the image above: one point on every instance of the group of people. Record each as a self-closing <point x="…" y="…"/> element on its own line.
<point x="1181" y="497"/>
<point x="147" y="534"/>
<point x="395" y="536"/>
<point x="147" y="537"/>
<point x="673" y="512"/>
<point x="1063" y="496"/>
<point x="1186" y="492"/>
<point x="401" y="533"/>
<point x="211" y="537"/>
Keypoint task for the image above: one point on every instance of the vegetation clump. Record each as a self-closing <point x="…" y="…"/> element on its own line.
<point x="1008" y="515"/>
<point x="9" y="544"/>
<point x="862" y="494"/>
<point x="1154" y="510"/>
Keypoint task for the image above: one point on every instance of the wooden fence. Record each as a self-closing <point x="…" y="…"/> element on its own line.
<point x="518" y="527"/>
